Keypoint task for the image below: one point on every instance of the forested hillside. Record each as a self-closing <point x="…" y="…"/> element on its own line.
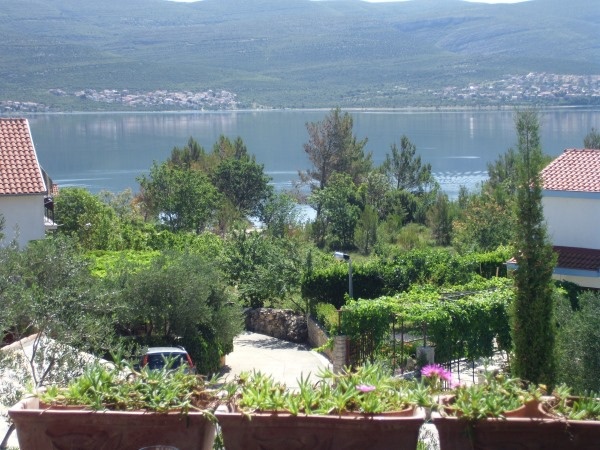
<point x="292" y="53"/>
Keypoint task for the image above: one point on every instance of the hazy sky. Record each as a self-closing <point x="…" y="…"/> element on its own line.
<point x="472" y="1"/>
<point x="389" y="1"/>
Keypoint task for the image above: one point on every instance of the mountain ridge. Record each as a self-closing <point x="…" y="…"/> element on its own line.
<point x="293" y="53"/>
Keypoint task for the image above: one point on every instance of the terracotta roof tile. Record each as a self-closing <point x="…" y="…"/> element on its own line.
<point x="20" y="172"/>
<point x="574" y="170"/>
<point x="574" y="258"/>
<point x="578" y="258"/>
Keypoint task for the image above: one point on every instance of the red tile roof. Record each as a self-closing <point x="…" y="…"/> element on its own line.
<point x="574" y="170"/>
<point x="20" y="171"/>
<point x="578" y="258"/>
<point x="573" y="258"/>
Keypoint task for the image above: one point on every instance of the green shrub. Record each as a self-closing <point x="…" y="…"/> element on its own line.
<point x="397" y="272"/>
<point x="572" y="291"/>
<point x="104" y="262"/>
<point x="493" y="264"/>
<point x="327" y="316"/>
<point x="180" y="299"/>
<point x="578" y="342"/>
<point x="207" y="243"/>
<point x="327" y="285"/>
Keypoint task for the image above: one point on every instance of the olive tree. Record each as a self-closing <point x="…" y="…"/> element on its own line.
<point x="56" y="313"/>
<point x="180" y="298"/>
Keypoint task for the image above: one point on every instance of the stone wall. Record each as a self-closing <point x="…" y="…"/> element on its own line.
<point x="317" y="337"/>
<point x="279" y="323"/>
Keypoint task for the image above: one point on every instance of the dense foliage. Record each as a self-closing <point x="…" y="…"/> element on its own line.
<point x="265" y="270"/>
<point x="184" y="200"/>
<point x="92" y="221"/>
<point x="396" y="273"/>
<point x="49" y="298"/>
<point x="176" y="263"/>
<point x="470" y="321"/>
<point x="195" y="190"/>
<point x="578" y="342"/>
<point x="179" y="299"/>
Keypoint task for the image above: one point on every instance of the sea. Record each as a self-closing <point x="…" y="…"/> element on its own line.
<point x="110" y="151"/>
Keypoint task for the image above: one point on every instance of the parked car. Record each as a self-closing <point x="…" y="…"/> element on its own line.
<point x="157" y="358"/>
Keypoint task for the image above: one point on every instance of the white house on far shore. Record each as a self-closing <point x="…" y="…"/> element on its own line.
<point x="26" y="203"/>
<point x="571" y="202"/>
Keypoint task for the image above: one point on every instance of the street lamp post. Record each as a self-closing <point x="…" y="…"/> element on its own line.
<point x="345" y="257"/>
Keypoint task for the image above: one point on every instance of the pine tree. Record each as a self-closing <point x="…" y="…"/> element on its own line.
<point x="532" y="323"/>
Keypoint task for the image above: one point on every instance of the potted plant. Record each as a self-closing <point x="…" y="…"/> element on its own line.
<point x="581" y="413"/>
<point x="365" y="408"/>
<point x="503" y="413"/>
<point x="108" y="408"/>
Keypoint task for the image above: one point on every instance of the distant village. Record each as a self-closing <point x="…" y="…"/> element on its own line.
<point x="533" y="87"/>
<point x="537" y="88"/>
<point x="160" y="99"/>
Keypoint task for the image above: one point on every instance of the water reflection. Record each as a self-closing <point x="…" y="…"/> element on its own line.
<point x="109" y="150"/>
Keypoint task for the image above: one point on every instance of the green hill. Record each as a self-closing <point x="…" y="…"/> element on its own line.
<point x="287" y="53"/>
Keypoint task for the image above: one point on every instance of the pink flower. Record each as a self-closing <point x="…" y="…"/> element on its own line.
<point x="365" y="388"/>
<point x="436" y="371"/>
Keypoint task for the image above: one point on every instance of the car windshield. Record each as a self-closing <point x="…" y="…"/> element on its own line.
<point x="159" y="360"/>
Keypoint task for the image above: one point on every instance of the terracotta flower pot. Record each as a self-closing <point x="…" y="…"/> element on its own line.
<point x="526" y="428"/>
<point x="79" y="429"/>
<point x="277" y="430"/>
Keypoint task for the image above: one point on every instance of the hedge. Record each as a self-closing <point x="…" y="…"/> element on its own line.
<point x="379" y="276"/>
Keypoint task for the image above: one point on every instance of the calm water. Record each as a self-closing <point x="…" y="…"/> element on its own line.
<point x="108" y="151"/>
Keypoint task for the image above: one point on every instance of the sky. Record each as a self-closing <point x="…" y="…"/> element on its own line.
<point x="390" y="1"/>
<point x="471" y="1"/>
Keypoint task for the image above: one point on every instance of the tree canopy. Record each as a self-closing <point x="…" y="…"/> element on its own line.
<point x="185" y="200"/>
<point x="193" y="190"/>
<point x="181" y="296"/>
<point x="405" y="169"/>
<point x="332" y="147"/>
<point x="243" y="182"/>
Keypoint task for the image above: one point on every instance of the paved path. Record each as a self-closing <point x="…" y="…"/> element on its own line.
<point x="283" y="360"/>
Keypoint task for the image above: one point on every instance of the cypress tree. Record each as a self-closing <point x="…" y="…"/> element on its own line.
<point x="532" y="311"/>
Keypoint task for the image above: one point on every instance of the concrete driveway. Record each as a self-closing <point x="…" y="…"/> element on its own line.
<point x="283" y="360"/>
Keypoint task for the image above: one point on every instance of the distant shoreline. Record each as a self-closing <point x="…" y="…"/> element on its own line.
<point x="404" y="109"/>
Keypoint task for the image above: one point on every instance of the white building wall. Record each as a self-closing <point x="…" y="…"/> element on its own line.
<point x="23" y="218"/>
<point x="588" y="282"/>
<point x="573" y="222"/>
